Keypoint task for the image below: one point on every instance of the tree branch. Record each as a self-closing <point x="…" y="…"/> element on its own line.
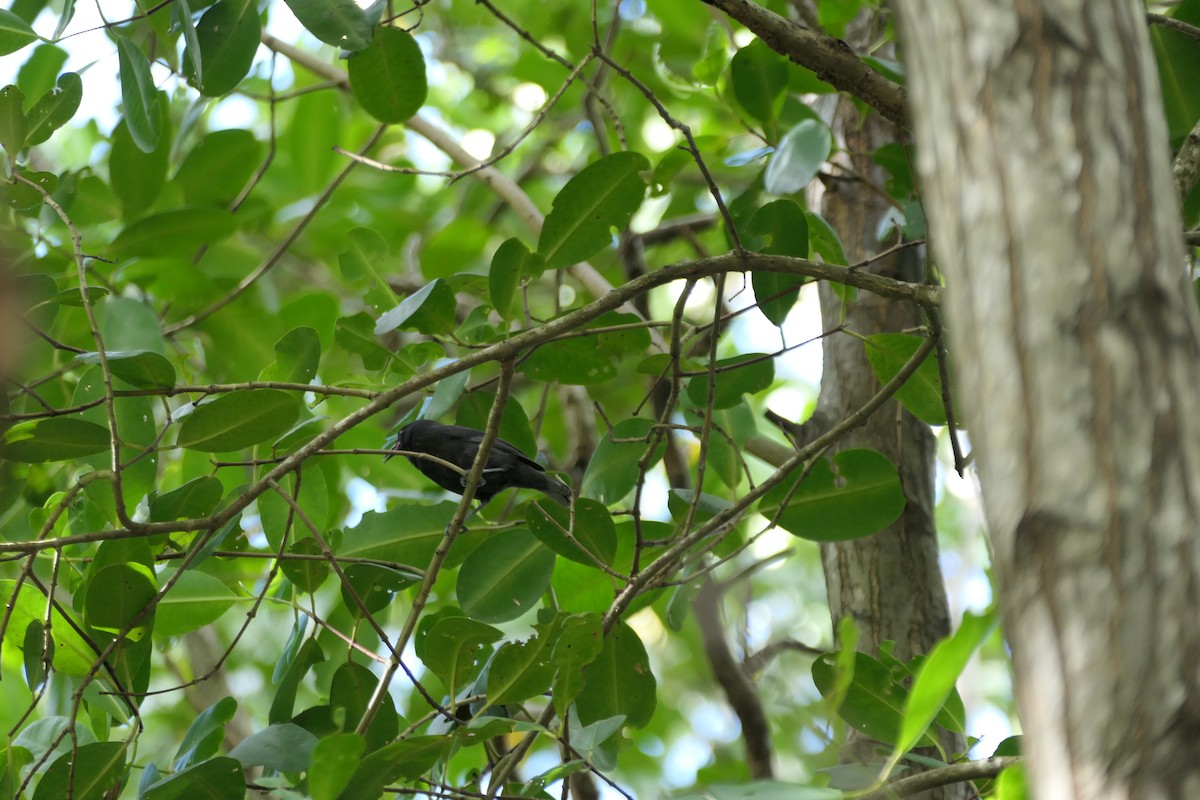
<point x="831" y="59"/>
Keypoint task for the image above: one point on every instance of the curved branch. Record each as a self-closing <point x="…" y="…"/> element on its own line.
<point x="831" y="59"/>
<point x="944" y="776"/>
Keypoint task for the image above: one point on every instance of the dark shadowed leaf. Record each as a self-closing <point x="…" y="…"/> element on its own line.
<point x="219" y="778"/>
<point x="759" y="77"/>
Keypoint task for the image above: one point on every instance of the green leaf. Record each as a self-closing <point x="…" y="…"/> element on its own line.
<point x="307" y="574"/>
<point x="504" y="277"/>
<point x="217" y="169"/>
<point x="759" y="76"/>
<point x="1178" y="62"/>
<point x="219" y="778"/>
<point x="388" y="78"/>
<point x="613" y="471"/>
<point x="205" y="734"/>
<point x="37" y="75"/>
<point x="54" y="108"/>
<point x="408" y="533"/>
<point x="142" y="369"/>
<point x="921" y="394"/>
<point x="15" y="33"/>
<point x="356" y="335"/>
<point x="237" y="420"/>
<point x="430" y="310"/>
<point x="782" y="222"/>
<point x="138" y="95"/>
<point x="196" y="600"/>
<point x="363" y="265"/>
<point x="935" y="680"/>
<point x="284" y="747"/>
<point x="578" y="642"/>
<point x="452" y="649"/>
<point x="408" y="758"/>
<point x="619" y="681"/>
<point x="375" y="584"/>
<point x="297" y="355"/>
<point x="13" y="123"/>
<point x="824" y="241"/>
<point x="749" y="373"/>
<point x="594" y="531"/>
<point x="55" y="439"/>
<point x="798" y="158"/>
<point x="604" y="195"/>
<point x="766" y="790"/>
<point x="173" y="233"/>
<point x="340" y="23"/>
<point x="520" y="670"/>
<point x="334" y="760"/>
<point x="227" y="36"/>
<point x="874" y="699"/>
<point x="72" y="654"/>
<point x="504" y="577"/>
<point x="118" y="594"/>
<point x="89" y="772"/>
<point x="137" y="178"/>
<point x="857" y="495"/>
<point x="588" y="360"/>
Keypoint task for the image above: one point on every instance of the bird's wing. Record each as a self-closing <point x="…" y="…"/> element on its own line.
<point x="510" y="449"/>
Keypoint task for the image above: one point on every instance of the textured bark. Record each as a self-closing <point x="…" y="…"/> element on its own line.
<point x="890" y="583"/>
<point x="1076" y="334"/>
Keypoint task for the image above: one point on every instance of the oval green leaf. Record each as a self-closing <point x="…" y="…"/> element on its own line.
<point x="594" y="532"/>
<point x="142" y="369"/>
<point x="613" y="471"/>
<point x="228" y="35"/>
<point x="388" y="78"/>
<point x="619" y="682"/>
<point x="173" y="233"/>
<point x="55" y="108"/>
<point x="750" y="373"/>
<point x="759" y="76"/>
<point x="800" y="154"/>
<point x="15" y="33"/>
<point x="921" y="394"/>
<point x="857" y="495"/>
<point x="197" y="599"/>
<point x="601" y="197"/>
<point x="55" y="439"/>
<point x="504" y="577"/>
<point x="340" y="23"/>
<point x="138" y="95"/>
<point x="13" y="123"/>
<point x="238" y="420"/>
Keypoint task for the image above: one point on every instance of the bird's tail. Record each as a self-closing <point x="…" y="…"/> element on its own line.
<point x="555" y="489"/>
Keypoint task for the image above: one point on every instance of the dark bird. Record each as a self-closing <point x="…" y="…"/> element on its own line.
<point x="507" y="467"/>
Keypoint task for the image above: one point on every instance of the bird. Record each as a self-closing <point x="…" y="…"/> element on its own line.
<point x="507" y="467"/>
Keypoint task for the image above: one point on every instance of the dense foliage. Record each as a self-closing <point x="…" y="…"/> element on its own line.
<point x="279" y="252"/>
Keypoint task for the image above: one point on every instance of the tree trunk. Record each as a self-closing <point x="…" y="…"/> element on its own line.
<point x="890" y="583"/>
<point x="1076" y="336"/>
